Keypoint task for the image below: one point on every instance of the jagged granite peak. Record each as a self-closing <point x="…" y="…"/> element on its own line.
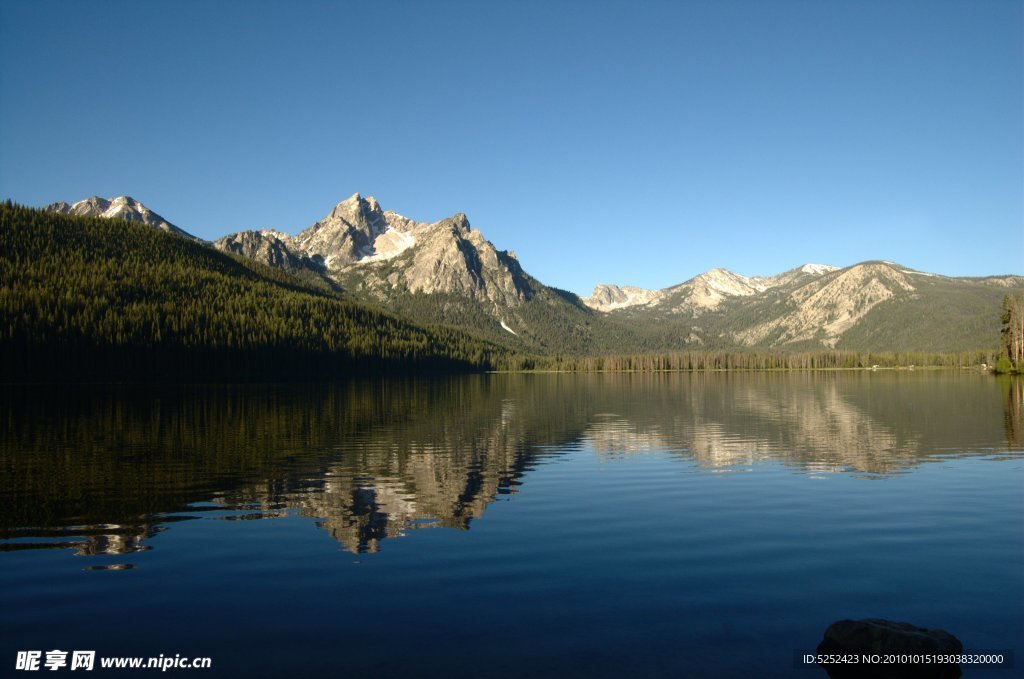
<point x="448" y="256"/>
<point x="705" y="292"/>
<point x="459" y="221"/>
<point x="608" y="297"/>
<point x="380" y="253"/>
<point x="702" y="293"/>
<point x="347" y="234"/>
<point x="718" y="284"/>
<point x="121" y="207"/>
<point x="271" y="247"/>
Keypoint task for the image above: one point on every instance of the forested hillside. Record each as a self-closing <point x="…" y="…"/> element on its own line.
<point x="108" y="299"/>
<point x="98" y="298"/>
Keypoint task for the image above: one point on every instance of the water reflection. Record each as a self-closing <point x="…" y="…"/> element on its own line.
<point x="1013" y="406"/>
<point x="811" y="420"/>
<point x="102" y="471"/>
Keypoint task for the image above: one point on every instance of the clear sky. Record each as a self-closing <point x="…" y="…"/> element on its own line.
<point x="630" y="142"/>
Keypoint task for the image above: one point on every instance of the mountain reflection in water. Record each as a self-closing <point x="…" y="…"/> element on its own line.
<point x="103" y="470"/>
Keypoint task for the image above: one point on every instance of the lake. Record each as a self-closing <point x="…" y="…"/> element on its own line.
<point x="675" y="524"/>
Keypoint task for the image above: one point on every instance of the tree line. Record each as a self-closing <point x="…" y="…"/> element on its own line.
<point x="99" y="299"/>
<point x="764" y="360"/>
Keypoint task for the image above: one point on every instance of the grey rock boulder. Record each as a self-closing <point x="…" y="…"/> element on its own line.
<point x="875" y="636"/>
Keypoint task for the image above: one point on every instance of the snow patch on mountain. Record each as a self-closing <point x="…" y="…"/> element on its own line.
<point x="817" y="269"/>
<point x="388" y="245"/>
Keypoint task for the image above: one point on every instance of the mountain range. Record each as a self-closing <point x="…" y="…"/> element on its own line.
<point x="447" y="272"/>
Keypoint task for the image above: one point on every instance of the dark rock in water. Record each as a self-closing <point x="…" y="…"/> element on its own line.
<point x="873" y="636"/>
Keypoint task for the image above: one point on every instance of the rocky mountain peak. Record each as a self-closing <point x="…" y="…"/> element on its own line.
<point x="126" y="201"/>
<point x="365" y="249"/>
<point x="97" y="202"/>
<point x="356" y="211"/>
<point x="457" y="222"/>
<point x="121" y="207"/>
<point x="347" y="233"/>
<point x="700" y="294"/>
<point x="608" y="297"/>
<point x="709" y="289"/>
<point x="817" y="269"/>
<point x="273" y="248"/>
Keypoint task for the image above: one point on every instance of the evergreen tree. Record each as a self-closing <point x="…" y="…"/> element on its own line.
<point x="1013" y="330"/>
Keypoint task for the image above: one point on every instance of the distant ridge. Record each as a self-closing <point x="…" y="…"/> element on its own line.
<point x="122" y="207"/>
<point x="447" y="272"/>
<point x="701" y="293"/>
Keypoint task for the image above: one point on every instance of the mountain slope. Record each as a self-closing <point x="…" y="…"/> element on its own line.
<point x="699" y="294"/>
<point x="448" y="273"/>
<point x="824" y="309"/>
<point x="277" y="250"/>
<point x="447" y="257"/>
<point x="371" y="252"/>
<point x="102" y="298"/>
<point x="122" y="207"/>
<point x="941" y="314"/>
<point x="443" y="272"/>
<point x="871" y="306"/>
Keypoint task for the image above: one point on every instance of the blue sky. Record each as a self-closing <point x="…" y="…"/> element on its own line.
<point x="631" y="142"/>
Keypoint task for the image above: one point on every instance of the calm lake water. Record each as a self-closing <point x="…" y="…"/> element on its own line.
<point x="530" y="525"/>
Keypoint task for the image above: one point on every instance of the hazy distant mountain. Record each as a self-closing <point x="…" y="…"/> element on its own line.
<point x="699" y="294"/>
<point x="609" y="297"/>
<point x="122" y="207"/>
<point x="874" y="305"/>
<point x="868" y="306"/>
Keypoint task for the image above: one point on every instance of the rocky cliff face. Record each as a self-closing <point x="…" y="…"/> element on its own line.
<point x="270" y="247"/>
<point x="450" y="257"/>
<point x="708" y="290"/>
<point x="122" y="207"/>
<point x="700" y="294"/>
<point x="826" y="307"/>
<point x="347" y="234"/>
<point x="380" y="253"/>
<point x="607" y="297"/>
